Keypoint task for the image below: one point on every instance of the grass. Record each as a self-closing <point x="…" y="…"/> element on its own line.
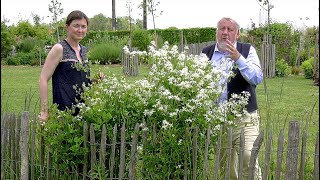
<point x="291" y="98"/>
<point x="284" y="99"/>
<point x="20" y="90"/>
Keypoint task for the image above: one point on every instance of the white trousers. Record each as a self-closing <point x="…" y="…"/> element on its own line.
<point x="250" y="125"/>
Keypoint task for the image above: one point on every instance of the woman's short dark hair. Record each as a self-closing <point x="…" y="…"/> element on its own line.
<point x="76" y="15"/>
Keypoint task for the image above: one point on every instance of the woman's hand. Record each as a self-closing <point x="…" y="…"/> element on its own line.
<point x="43" y="117"/>
<point x="98" y="77"/>
<point x="101" y="75"/>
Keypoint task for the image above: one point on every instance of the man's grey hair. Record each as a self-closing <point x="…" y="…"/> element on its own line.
<point x="231" y="20"/>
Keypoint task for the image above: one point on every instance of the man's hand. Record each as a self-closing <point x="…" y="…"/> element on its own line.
<point x="233" y="52"/>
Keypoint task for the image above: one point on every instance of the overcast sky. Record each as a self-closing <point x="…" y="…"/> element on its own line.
<point x="176" y="13"/>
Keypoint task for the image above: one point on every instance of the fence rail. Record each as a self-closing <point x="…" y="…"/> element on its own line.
<point x="23" y="153"/>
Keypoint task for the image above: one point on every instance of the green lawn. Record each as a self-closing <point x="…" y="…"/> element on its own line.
<point x="283" y="100"/>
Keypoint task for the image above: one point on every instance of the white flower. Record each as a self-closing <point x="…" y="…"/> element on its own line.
<point x="166" y="124"/>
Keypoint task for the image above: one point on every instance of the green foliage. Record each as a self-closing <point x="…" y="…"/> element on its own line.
<point x="100" y="22"/>
<point x="282" y="68"/>
<point x="93" y="36"/>
<point x="105" y="53"/>
<point x="282" y="35"/>
<point x="306" y="53"/>
<point x="198" y="35"/>
<point x="7" y="41"/>
<point x="141" y="39"/>
<point x="64" y="136"/>
<point x="176" y="97"/>
<point x="172" y="35"/>
<point x="28" y="44"/>
<point x="24" y="29"/>
<point x="12" y="60"/>
<point x="21" y="58"/>
<point x="307" y="67"/>
<point x="295" y="70"/>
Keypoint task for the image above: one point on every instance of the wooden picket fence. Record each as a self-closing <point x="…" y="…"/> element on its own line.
<point x="267" y="58"/>
<point x="130" y="64"/>
<point x="23" y="153"/>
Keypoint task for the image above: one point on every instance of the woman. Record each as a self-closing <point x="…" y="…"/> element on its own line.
<point x="67" y="65"/>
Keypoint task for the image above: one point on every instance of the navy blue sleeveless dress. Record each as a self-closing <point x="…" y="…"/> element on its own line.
<point x="67" y="79"/>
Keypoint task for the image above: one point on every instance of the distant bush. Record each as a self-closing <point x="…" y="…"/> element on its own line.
<point x="26" y="58"/>
<point x="141" y="39"/>
<point x="282" y="68"/>
<point x="307" y="67"/>
<point x="28" y="44"/>
<point x="295" y="70"/>
<point x="105" y="53"/>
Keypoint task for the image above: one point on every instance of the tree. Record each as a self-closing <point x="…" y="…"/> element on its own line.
<point x="144" y="7"/>
<point x="7" y="41"/>
<point x="56" y="10"/>
<point x="269" y="7"/>
<point x="100" y="22"/>
<point x="151" y="6"/>
<point x="36" y="18"/>
<point x="114" y="26"/>
<point x="129" y="8"/>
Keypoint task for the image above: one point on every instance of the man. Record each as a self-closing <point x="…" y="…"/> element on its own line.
<point x="243" y="60"/>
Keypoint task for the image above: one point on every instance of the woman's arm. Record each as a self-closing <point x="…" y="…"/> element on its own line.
<point x="52" y="61"/>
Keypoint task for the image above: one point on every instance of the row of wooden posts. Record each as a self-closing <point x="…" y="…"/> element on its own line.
<point x="19" y="141"/>
<point x="130" y="64"/>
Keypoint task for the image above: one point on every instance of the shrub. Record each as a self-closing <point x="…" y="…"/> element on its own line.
<point x="282" y="68"/>
<point x="141" y="39"/>
<point x="22" y="58"/>
<point x="7" y="41"/>
<point x="178" y="95"/>
<point x="105" y="53"/>
<point x="295" y="70"/>
<point x="307" y="67"/>
<point x="28" y="44"/>
<point x="12" y="60"/>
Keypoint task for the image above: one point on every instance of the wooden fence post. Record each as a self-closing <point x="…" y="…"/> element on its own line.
<point x="292" y="155"/>
<point x="194" y="153"/>
<point x="316" y="160"/>
<point x="33" y="143"/>
<point x="85" y="145"/>
<point x="4" y="136"/>
<point x="229" y="154"/>
<point x="279" y="155"/>
<point x="113" y="151"/>
<point x="12" y="148"/>
<point x="17" y="138"/>
<point x="254" y="155"/>
<point x="241" y="149"/>
<point x="122" y="152"/>
<point x="93" y="158"/>
<point x="303" y="155"/>
<point x="144" y="143"/>
<point x="24" y="150"/>
<point x="217" y="157"/>
<point x="133" y="159"/>
<point x="267" y="156"/>
<point x="103" y="148"/>
<point x="206" y="154"/>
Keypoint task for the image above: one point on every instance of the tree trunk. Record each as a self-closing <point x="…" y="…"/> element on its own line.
<point x="114" y="26"/>
<point x="145" y="14"/>
<point x="316" y="62"/>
